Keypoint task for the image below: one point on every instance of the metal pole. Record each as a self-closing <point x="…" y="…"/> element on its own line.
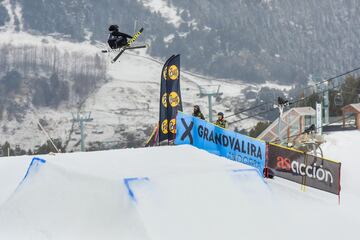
<point x="135" y="26"/>
<point x="51" y="141"/>
<point x="82" y="135"/>
<point x="209" y="94"/>
<point x="281" y="109"/>
<point x="326" y="103"/>
<point x="81" y="119"/>
<point x="210" y="107"/>
<point x="318" y="118"/>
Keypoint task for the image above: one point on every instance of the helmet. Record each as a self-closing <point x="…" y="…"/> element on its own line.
<point x="196" y="108"/>
<point x="113" y="27"/>
<point x="220" y="114"/>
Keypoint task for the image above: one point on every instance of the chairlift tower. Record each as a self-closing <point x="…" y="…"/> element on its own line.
<point x="81" y="118"/>
<point x="323" y="88"/>
<point x="281" y="104"/>
<point x="209" y="91"/>
<point x="281" y="111"/>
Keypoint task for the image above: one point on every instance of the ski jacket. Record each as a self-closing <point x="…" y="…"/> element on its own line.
<point x="221" y="123"/>
<point x="199" y="115"/>
<point x="116" y="34"/>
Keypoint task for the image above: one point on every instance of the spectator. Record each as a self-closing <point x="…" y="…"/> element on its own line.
<point x="221" y="122"/>
<point x="197" y="113"/>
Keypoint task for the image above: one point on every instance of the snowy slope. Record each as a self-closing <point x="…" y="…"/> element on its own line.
<point x="131" y="96"/>
<point x="191" y="195"/>
<point x="126" y="103"/>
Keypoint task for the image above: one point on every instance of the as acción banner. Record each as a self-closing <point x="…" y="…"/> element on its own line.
<point x="219" y="141"/>
<point x="304" y="169"/>
<point x="170" y="98"/>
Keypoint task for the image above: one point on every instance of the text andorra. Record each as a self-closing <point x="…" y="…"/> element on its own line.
<point x="233" y="143"/>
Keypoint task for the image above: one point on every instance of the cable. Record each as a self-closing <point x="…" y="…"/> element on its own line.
<point x="332" y="78"/>
<point x="327" y="80"/>
<point x="252" y="116"/>
<point x="265" y="103"/>
<point x="246" y="109"/>
<point x="290" y="103"/>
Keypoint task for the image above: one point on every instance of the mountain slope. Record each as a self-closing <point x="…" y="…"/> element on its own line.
<point x="124" y="103"/>
<point x="278" y="40"/>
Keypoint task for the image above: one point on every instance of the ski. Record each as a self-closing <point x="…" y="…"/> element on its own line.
<point x="122" y="50"/>
<point x="136" y="47"/>
<point x="127" y="48"/>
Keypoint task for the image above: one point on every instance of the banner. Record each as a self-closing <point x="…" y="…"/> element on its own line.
<point x="304" y="169"/>
<point x="219" y="141"/>
<point x="170" y="98"/>
<point x="163" y="120"/>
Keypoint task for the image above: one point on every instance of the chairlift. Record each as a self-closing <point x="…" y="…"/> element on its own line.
<point x="338" y="100"/>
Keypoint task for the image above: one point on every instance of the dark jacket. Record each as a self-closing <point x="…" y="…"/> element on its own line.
<point x="221" y="123"/>
<point x="199" y="115"/>
<point x="116" y="33"/>
<point x="117" y="39"/>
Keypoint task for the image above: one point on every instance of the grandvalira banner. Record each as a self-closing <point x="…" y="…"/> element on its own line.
<point x="216" y="140"/>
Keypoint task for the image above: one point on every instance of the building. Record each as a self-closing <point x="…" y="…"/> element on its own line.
<point x="293" y="124"/>
<point x="351" y="109"/>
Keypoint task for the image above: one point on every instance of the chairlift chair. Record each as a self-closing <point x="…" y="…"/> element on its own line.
<point x="338" y="100"/>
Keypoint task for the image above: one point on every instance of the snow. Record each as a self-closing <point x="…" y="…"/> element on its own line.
<point x="344" y="147"/>
<point x="10" y="25"/>
<point x="18" y="14"/>
<point x="88" y="35"/>
<point x="177" y="192"/>
<point x="276" y="86"/>
<point x="167" y="12"/>
<point x="15" y="13"/>
<point x="208" y="29"/>
<point x="27" y="39"/>
<point x="169" y="38"/>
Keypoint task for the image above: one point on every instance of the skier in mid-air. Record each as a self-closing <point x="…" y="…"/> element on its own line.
<point x="117" y="39"/>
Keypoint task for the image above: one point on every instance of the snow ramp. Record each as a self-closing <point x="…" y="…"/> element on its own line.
<point x="176" y="192"/>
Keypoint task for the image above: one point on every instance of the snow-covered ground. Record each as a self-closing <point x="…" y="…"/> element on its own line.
<point x="345" y="147"/>
<point x="176" y="192"/>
